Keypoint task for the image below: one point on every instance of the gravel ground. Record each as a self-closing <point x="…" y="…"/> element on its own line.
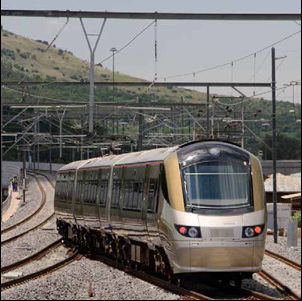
<point x="73" y="283"/>
<point x="282" y="249"/>
<point x="287" y="275"/>
<point x="35" y="240"/>
<point x="47" y="210"/>
<point x="31" y="205"/>
<point x="28" y="245"/>
<point x="50" y="259"/>
<point x="261" y="286"/>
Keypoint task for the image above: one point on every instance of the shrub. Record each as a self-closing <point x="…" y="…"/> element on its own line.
<point x="297" y="217"/>
<point x="60" y="52"/>
<point x="25" y="55"/>
<point x="9" y="53"/>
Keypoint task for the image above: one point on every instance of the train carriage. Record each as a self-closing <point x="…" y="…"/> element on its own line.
<point x="196" y="208"/>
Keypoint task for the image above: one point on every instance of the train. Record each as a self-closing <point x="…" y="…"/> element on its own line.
<point x="194" y="209"/>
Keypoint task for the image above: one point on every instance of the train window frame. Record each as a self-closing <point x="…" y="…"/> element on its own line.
<point x="154" y="205"/>
<point x="220" y="211"/>
<point x="116" y="193"/>
<point x="103" y="193"/>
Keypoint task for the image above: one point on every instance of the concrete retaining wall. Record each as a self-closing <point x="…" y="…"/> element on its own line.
<point x="283" y="167"/>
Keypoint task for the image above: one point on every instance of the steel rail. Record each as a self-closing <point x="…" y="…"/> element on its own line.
<point x="153" y="15"/>
<point x="183" y="292"/>
<point x="282" y="288"/>
<point x="16" y="282"/>
<point x="14" y="238"/>
<point x="283" y="259"/>
<point x="29" y="217"/>
<point x="37" y="256"/>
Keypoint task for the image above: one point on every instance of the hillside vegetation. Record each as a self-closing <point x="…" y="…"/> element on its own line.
<point x="26" y="59"/>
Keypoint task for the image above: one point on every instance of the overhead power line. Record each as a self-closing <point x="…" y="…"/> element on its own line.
<point x="129" y="43"/>
<point x="234" y="61"/>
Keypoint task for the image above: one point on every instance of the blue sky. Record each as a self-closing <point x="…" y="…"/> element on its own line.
<point x="183" y="46"/>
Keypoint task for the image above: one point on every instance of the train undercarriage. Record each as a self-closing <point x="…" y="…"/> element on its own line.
<point x="136" y="255"/>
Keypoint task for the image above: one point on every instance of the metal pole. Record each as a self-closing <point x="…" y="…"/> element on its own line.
<point x="24" y="175"/>
<point x="92" y="70"/>
<point x="182" y="122"/>
<point x="208" y="112"/>
<point x="274" y="143"/>
<point x="38" y="137"/>
<point x="91" y="93"/>
<point x="50" y="150"/>
<point x="1" y="153"/>
<point x="243" y="127"/>
<point x="140" y="128"/>
<point x="213" y="121"/>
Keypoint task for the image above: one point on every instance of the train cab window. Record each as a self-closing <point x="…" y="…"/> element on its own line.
<point x="218" y="185"/>
<point x="152" y="196"/>
<point x="164" y="185"/>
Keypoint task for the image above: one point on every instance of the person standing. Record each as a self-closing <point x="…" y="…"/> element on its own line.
<point x="14" y="181"/>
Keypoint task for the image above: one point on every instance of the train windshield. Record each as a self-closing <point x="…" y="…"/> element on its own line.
<point x="218" y="185"/>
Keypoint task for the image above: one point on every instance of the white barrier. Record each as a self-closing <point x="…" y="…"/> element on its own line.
<point x="7" y="203"/>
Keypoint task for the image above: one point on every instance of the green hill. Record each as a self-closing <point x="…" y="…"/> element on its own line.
<point x="22" y="57"/>
<point x="26" y="59"/>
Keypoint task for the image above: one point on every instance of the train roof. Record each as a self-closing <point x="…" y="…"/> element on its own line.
<point x="156" y="155"/>
<point x="144" y="157"/>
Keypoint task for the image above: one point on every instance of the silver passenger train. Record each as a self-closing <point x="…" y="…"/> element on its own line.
<point x="196" y="208"/>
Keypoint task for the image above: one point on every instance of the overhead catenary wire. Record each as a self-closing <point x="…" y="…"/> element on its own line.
<point x="129" y="43"/>
<point x="234" y="61"/>
<point x="58" y="34"/>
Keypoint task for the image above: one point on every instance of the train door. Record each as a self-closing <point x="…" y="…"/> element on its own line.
<point x="134" y="225"/>
<point x="115" y="207"/>
<point x="152" y="196"/>
<point x="102" y="197"/>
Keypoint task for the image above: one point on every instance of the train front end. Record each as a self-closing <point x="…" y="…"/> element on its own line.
<point x="215" y="216"/>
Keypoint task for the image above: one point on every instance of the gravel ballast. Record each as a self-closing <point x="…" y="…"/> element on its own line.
<point x="87" y="280"/>
<point x="33" y="200"/>
<point x="282" y="249"/>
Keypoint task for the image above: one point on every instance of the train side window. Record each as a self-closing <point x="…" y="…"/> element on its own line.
<point x="104" y="193"/>
<point x="116" y="192"/>
<point x="153" y="195"/>
<point x="133" y="195"/>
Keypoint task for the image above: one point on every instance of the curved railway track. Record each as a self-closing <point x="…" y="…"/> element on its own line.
<point x="285" y="260"/>
<point x="37" y="256"/>
<point x="282" y="288"/>
<point x="40" y="207"/>
<point x="30" y="277"/>
<point x="184" y="293"/>
<point x="44" y="197"/>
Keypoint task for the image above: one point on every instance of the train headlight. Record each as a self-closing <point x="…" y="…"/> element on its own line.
<point x="252" y="231"/>
<point x="190" y="232"/>
<point x="193" y="232"/>
<point x="249" y="232"/>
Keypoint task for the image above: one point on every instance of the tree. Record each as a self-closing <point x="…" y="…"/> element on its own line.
<point x="288" y="147"/>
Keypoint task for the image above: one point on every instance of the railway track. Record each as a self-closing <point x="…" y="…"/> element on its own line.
<point x="283" y="289"/>
<point x="184" y="293"/>
<point x="16" y="282"/>
<point x="37" y="256"/>
<point x="285" y="260"/>
<point x="45" y="221"/>
<point x="42" y="204"/>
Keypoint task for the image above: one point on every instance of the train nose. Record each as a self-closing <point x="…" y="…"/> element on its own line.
<point x="222" y="246"/>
